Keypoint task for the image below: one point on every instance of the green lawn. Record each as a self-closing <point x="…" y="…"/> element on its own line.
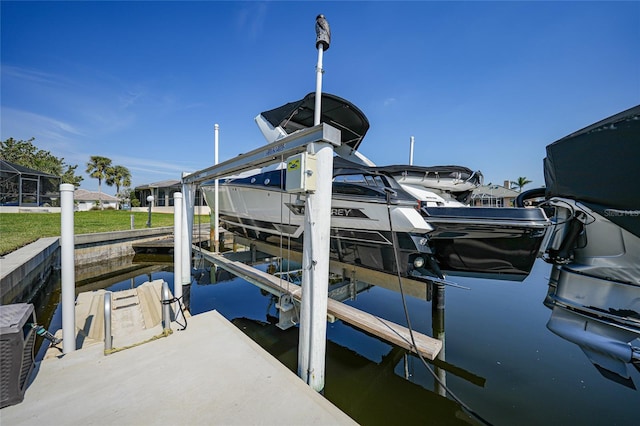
<point x="20" y="229"/>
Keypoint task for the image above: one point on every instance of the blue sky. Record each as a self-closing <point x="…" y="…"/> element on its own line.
<point x="485" y="85"/>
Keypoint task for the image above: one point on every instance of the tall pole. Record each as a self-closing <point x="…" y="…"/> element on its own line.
<point x="67" y="266"/>
<point x="412" y="140"/>
<point x="216" y="218"/>
<point x="315" y="262"/>
<point x="188" y="205"/>
<point x="318" y="105"/>
<point x="177" y="252"/>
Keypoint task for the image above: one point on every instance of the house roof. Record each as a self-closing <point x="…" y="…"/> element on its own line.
<point x="6" y="166"/>
<point x="162" y="184"/>
<point x="85" y="195"/>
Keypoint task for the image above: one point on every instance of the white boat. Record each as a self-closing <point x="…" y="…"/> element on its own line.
<point x="364" y="218"/>
<point x="374" y="210"/>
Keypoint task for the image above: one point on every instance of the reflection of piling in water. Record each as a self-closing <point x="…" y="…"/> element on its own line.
<point x="437" y="320"/>
<point x="186" y="297"/>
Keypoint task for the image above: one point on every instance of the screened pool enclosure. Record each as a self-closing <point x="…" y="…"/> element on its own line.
<point x="22" y="186"/>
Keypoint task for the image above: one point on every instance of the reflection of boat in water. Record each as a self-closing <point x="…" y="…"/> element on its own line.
<point x="362" y="388"/>
<point x="377" y="211"/>
<point x="594" y="243"/>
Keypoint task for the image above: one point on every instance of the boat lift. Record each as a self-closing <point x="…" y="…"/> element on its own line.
<point x="320" y="141"/>
<point x="317" y="144"/>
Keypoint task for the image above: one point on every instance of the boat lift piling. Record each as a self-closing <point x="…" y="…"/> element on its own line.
<point x="177" y="253"/>
<point x="317" y="223"/>
<point x="186" y="239"/>
<point x="216" y="217"/>
<point x="67" y="266"/>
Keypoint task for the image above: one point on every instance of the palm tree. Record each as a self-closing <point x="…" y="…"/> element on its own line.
<point x="97" y="168"/>
<point x="118" y="176"/>
<point x="520" y="183"/>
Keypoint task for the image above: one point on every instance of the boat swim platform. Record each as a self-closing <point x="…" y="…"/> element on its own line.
<point x="389" y="331"/>
<point x="209" y="373"/>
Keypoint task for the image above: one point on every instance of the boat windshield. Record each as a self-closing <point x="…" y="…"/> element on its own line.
<point x="375" y="181"/>
<point x="366" y="185"/>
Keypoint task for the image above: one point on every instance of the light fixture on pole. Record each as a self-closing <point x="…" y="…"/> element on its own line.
<point x="150" y="202"/>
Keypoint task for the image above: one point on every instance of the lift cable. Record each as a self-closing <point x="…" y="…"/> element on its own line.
<point x="406" y="314"/>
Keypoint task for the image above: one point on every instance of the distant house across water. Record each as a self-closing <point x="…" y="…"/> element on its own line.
<point x="86" y="200"/>
<point x="493" y="195"/>
<point x="162" y="193"/>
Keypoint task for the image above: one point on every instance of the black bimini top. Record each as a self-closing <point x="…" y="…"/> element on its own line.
<point x="336" y="112"/>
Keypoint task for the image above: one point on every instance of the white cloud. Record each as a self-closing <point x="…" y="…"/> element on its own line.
<point x="17" y="123"/>
<point x="31" y="75"/>
<point x="251" y="19"/>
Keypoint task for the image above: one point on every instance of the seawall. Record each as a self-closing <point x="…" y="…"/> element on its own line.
<point x="24" y="271"/>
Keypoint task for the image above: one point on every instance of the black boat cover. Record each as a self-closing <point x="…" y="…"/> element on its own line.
<point x="600" y="166"/>
<point x="336" y="111"/>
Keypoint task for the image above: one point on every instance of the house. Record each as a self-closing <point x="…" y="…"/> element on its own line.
<point x="162" y="193"/>
<point x="86" y="200"/>
<point x="492" y="195"/>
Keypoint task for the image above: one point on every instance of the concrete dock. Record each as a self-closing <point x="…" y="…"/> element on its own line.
<point x="210" y="373"/>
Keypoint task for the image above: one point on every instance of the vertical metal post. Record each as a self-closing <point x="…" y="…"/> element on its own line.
<point x="108" y="339"/>
<point x="216" y="218"/>
<point x="177" y="252"/>
<point x="317" y="112"/>
<point x="166" y="312"/>
<point x="315" y="272"/>
<point x="411" y="142"/>
<point x="188" y="205"/>
<point x="315" y="258"/>
<point x="132" y="222"/>
<point x="67" y="264"/>
<point x="150" y="199"/>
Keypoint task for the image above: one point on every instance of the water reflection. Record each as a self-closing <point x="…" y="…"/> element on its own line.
<point x="360" y="387"/>
<point x="499" y="357"/>
<point x="595" y="315"/>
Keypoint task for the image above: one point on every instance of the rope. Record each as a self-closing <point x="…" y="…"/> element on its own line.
<point x="165" y="333"/>
<point x="173" y="300"/>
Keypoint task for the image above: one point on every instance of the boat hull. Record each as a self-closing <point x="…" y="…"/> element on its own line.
<point x="497" y="243"/>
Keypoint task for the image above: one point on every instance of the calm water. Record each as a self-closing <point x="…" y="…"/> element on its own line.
<point x="501" y="360"/>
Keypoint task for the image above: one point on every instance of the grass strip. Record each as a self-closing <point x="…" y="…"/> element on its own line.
<point x="19" y="229"/>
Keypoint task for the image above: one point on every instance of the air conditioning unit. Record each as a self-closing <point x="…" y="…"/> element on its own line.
<point x="17" y="341"/>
